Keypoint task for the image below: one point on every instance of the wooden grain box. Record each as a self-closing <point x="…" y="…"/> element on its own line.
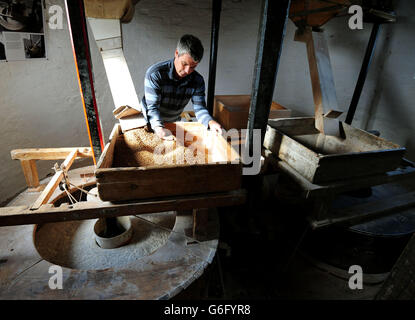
<point x="218" y="171"/>
<point x="321" y="158"/>
<point x="232" y="111"/>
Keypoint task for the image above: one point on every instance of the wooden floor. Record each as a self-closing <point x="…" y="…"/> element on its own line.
<point x="24" y="274"/>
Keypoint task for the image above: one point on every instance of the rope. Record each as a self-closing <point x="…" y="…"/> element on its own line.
<point x="73" y="200"/>
<point x="70" y="196"/>
<point x="83" y="190"/>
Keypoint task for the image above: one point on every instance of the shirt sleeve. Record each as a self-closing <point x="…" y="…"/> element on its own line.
<point x="199" y="104"/>
<point x="152" y="93"/>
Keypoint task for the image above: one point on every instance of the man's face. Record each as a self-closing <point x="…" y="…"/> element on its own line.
<point x="184" y="64"/>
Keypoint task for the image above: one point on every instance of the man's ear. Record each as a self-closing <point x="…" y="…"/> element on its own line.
<point x="176" y="54"/>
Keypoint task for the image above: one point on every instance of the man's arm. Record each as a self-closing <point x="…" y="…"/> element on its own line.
<point x="152" y="93"/>
<point x="201" y="111"/>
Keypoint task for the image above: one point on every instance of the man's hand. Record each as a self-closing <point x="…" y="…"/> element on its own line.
<point x="216" y="127"/>
<point x="164" y="133"/>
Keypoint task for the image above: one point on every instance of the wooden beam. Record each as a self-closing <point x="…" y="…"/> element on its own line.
<point x="54" y="182"/>
<point x="49" y="153"/>
<point x="77" y="25"/>
<point x="312" y="190"/>
<point x="200" y="222"/>
<point x="322" y="82"/>
<point x="30" y="173"/>
<point x="21" y="215"/>
<point x="367" y="211"/>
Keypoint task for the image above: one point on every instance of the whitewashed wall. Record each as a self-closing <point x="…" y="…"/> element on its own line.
<point x="41" y="106"/>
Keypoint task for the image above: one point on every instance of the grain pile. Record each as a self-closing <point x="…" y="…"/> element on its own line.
<point x="142" y="148"/>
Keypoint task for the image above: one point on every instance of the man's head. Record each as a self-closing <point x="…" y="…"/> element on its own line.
<point x="188" y="54"/>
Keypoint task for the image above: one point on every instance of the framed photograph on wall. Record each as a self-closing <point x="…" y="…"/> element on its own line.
<point x="22" y="34"/>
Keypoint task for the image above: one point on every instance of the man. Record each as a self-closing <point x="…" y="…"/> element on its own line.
<point x="169" y="85"/>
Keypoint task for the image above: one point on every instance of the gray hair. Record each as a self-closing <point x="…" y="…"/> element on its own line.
<point x="191" y="45"/>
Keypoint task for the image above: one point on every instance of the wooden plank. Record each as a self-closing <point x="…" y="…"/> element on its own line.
<point x="189" y="113"/>
<point x="139" y="183"/>
<point x="106" y="158"/>
<point x="124" y="111"/>
<point x="200" y="222"/>
<point x="232" y="111"/>
<point x="302" y="159"/>
<point x="321" y="158"/>
<point x="54" y="182"/>
<point x="107" y="9"/>
<point x="10" y="216"/>
<point x="49" y="153"/>
<point x="367" y="211"/>
<point x="132" y="122"/>
<point x="357" y="164"/>
<point x="316" y="13"/>
<point x="150" y="173"/>
<point x="296" y="122"/>
<point x="322" y="82"/>
<point x="30" y="173"/>
<point x="312" y="190"/>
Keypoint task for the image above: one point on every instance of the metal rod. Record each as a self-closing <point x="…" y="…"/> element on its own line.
<point x="216" y="9"/>
<point x="80" y="47"/>
<point x="363" y="73"/>
<point x="270" y="37"/>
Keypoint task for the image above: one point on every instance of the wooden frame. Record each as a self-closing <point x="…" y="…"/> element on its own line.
<point x="20" y="215"/>
<point x="56" y="179"/>
<point x="323" y="195"/>
<point x="224" y="173"/>
<point x="322" y="82"/>
<point x="232" y="111"/>
<point x="321" y="158"/>
<point x="28" y="158"/>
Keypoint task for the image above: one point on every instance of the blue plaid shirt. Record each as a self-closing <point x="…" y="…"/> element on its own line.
<point x="165" y="97"/>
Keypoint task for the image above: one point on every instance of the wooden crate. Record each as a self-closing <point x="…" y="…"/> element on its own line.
<point x="222" y="171"/>
<point x="232" y="111"/>
<point x="321" y="158"/>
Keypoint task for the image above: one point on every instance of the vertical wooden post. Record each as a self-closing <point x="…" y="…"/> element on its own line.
<point x="322" y="82"/>
<point x="30" y="173"/>
<point x="80" y="46"/>
<point x="270" y="37"/>
<point x="200" y="222"/>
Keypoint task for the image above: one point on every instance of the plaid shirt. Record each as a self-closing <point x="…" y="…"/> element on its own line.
<point x="165" y="97"/>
